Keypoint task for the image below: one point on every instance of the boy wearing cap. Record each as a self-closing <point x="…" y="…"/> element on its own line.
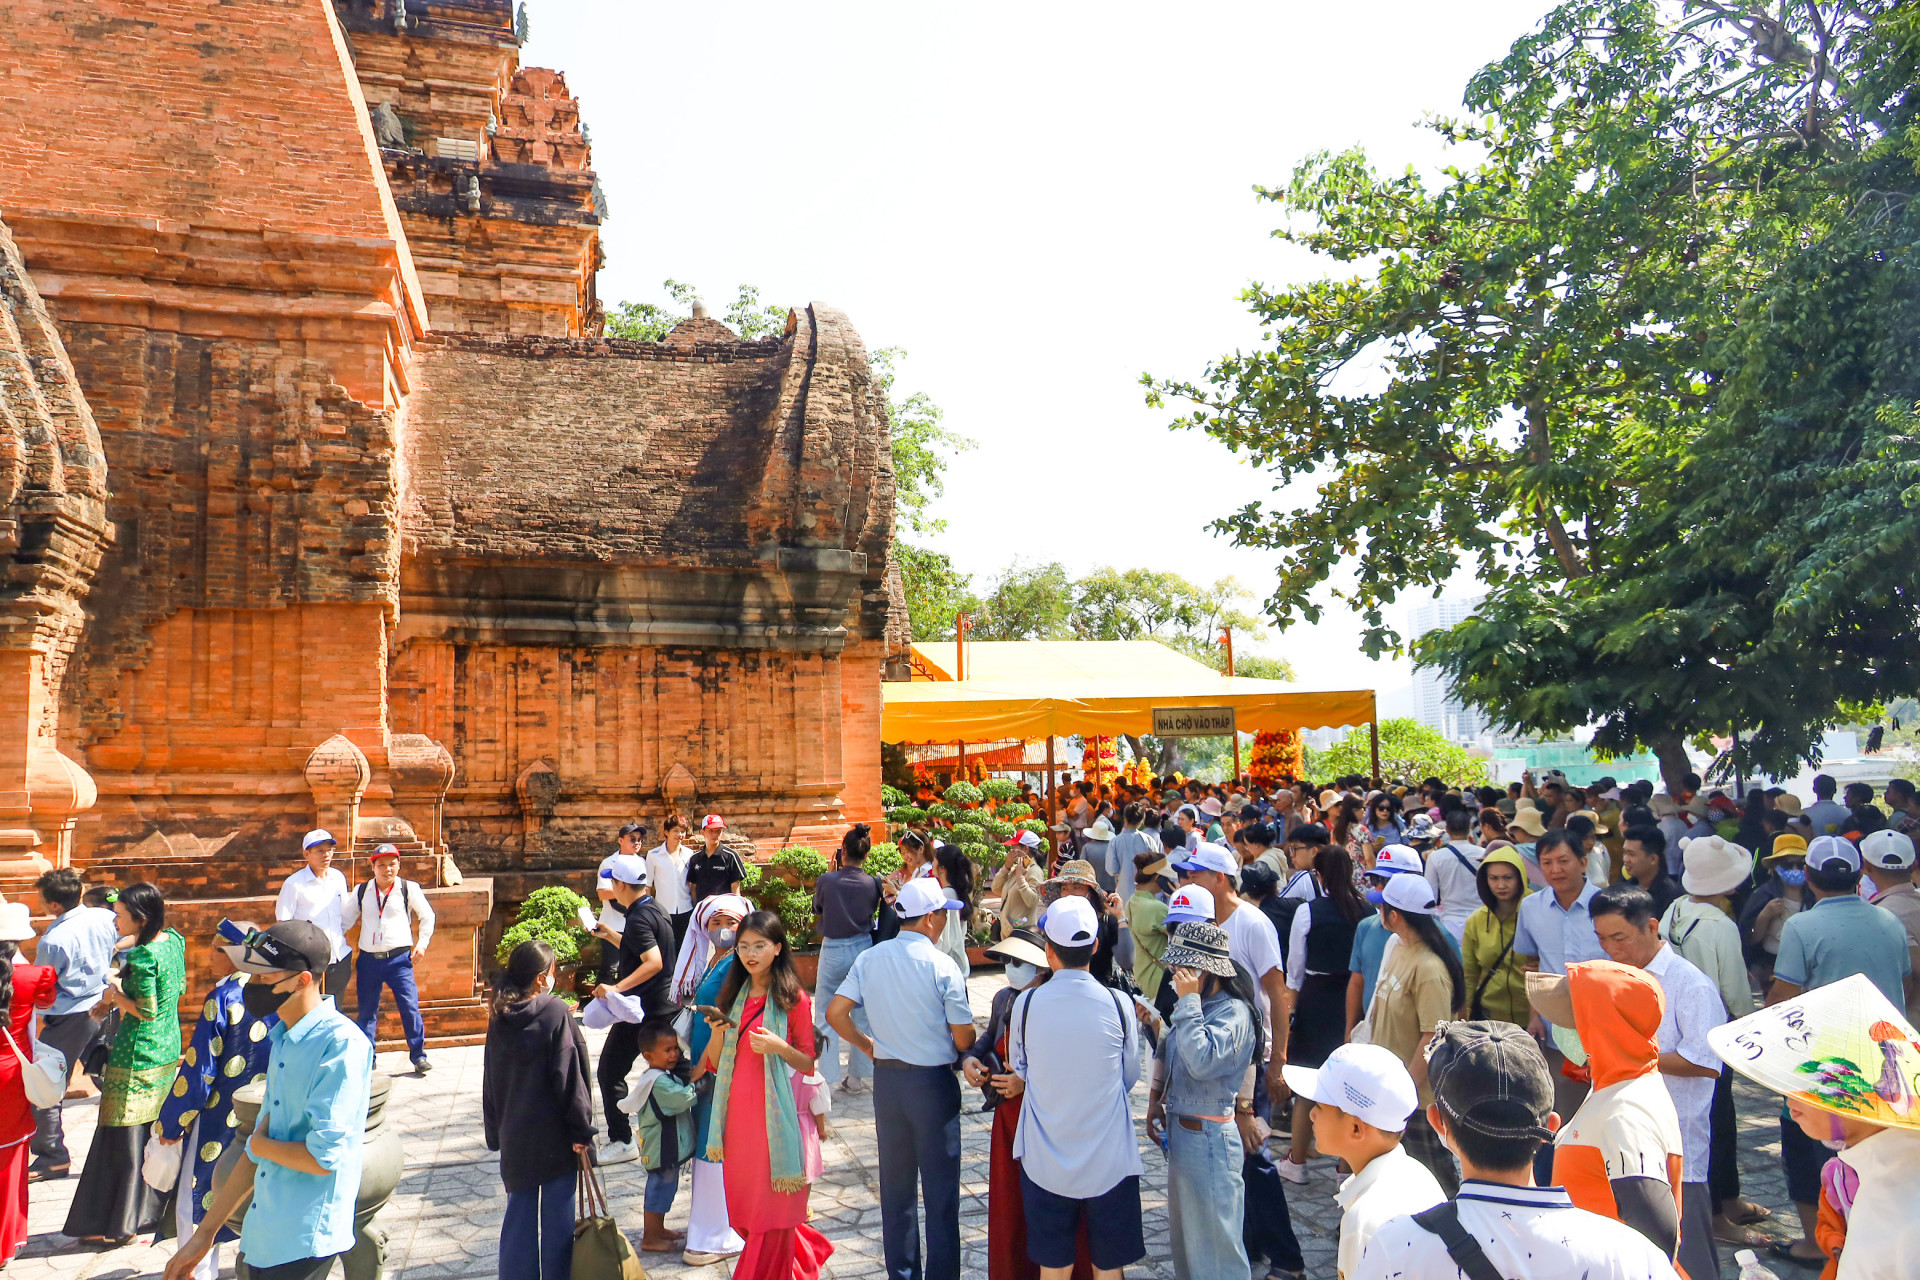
<point x="1075" y="1046"/>
<point x="1888" y="861"/>
<point x="302" y="1165"/>
<point x="386" y="908"/>
<point x="633" y="837"/>
<point x="714" y="868"/>
<point x="1362" y="1098"/>
<point x="1493" y="1107"/>
<point x="916" y="1002"/>
<point x="318" y="894"/>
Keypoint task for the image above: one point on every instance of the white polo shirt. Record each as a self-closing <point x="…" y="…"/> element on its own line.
<point x="1390" y="1186"/>
<point x="319" y="901"/>
<point x="1528" y="1233"/>
<point x="667" y="873"/>
<point x="1693" y="1008"/>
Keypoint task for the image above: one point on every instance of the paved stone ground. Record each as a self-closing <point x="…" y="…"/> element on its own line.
<point x="444" y="1220"/>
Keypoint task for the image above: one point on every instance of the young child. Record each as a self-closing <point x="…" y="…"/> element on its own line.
<point x="1362" y="1098"/>
<point x="661" y="1102"/>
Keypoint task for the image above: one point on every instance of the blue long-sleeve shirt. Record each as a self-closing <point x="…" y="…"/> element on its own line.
<point x="79" y="948"/>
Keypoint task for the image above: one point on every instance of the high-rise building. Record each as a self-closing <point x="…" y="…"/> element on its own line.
<point x="1434" y="703"/>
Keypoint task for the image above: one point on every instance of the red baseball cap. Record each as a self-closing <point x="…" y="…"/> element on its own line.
<point x="384" y="851"/>
<point x="713" y="822"/>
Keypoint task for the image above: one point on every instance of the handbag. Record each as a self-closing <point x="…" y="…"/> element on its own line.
<point x="601" y="1251"/>
<point x="160" y="1167"/>
<point x="43" y="1076"/>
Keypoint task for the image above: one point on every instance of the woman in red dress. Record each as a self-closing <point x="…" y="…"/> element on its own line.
<point x="762" y="1135"/>
<point x="32" y="988"/>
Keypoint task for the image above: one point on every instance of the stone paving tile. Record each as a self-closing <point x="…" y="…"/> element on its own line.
<point x="444" y="1220"/>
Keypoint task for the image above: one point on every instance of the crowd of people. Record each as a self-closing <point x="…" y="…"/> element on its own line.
<point x="1507" y="1014"/>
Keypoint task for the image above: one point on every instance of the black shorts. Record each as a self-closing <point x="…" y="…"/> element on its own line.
<point x="302" y="1269"/>
<point x="1113" y="1225"/>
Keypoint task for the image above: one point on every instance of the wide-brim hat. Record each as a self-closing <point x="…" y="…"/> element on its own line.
<point x="1211" y="807"/>
<point x="1199" y="946"/>
<point x="1599" y="827"/>
<point x="1022" y="946"/>
<point x="1072" y="871"/>
<point x="1788" y="804"/>
<point x="1551" y="997"/>
<point x="1101" y="829"/>
<point x="1843" y="1048"/>
<point x="16" y="922"/>
<point x="1529" y="821"/>
<point x="1714" y="865"/>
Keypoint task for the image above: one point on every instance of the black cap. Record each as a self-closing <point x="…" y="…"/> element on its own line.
<point x="1491" y="1077"/>
<point x="291" y="946"/>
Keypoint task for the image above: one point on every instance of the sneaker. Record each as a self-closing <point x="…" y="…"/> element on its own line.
<point x="853" y="1085"/>
<point x="619" y="1153"/>
<point x="421" y="1066"/>
<point x="1294" y="1173"/>
<point x="692" y="1259"/>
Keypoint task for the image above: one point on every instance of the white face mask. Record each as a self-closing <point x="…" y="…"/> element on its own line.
<point x="1020" y="976"/>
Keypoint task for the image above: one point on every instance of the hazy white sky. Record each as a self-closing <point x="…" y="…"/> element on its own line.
<point x="1038" y="201"/>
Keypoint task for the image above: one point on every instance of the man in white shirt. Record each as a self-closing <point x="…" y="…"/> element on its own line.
<point x="1251" y="939"/>
<point x="1493" y="1107"/>
<point x="317" y="894"/>
<point x="632" y="837"/>
<point x="667" y="874"/>
<point x="1453" y="869"/>
<point x="1363" y="1096"/>
<point x="1075" y="1047"/>
<point x="1624" y="919"/>
<point x="386" y="908"/>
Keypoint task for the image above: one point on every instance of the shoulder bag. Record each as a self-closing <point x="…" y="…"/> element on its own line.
<point x="1443" y="1220"/>
<point x="601" y="1251"/>
<point x="44" y="1076"/>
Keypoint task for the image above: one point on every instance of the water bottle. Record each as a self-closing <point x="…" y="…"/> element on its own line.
<point x="1750" y="1268"/>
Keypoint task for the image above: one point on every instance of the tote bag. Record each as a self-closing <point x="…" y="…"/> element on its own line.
<point x="601" y="1251"/>
<point x="44" y="1076"/>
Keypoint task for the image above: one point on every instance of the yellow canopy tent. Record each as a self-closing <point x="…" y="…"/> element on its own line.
<point x="1045" y="688"/>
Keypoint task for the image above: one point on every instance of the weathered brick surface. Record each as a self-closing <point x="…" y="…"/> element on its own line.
<point x="389" y="515"/>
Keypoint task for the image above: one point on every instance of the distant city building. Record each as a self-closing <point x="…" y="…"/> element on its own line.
<point x="1434" y="703"/>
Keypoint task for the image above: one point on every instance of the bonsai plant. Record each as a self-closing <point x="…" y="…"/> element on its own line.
<point x="550" y="914"/>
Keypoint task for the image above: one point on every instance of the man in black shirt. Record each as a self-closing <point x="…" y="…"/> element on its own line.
<point x="713" y="869"/>
<point x="642" y="967"/>
<point x="1643" y="860"/>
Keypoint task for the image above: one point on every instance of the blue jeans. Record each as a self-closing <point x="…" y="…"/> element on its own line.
<point x="536" y="1236"/>
<point x="836" y="957"/>
<point x="1205" y="1199"/>
<point x="661" y="1184"/>
<point x="395" y="972"/>
<point x="916" y="1121"/>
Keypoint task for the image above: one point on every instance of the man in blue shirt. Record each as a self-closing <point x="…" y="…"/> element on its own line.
<point x="79" y="947"/>
<point x="1556" y="930"/>
<point x="302" y="1165"/>
<point x="916" y="1002"/>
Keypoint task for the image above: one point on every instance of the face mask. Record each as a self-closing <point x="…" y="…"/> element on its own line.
<point x="722" y="939"/>
<point x="261" y="1000"/>
<point x="1795" y="876"/>
<point x="1020" y="975"/>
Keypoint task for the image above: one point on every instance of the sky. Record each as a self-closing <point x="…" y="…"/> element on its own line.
<point x="1039" y="202"/>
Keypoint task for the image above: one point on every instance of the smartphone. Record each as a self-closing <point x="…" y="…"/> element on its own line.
<point x="712" y="1011"/>
<point x="587" y="921"/>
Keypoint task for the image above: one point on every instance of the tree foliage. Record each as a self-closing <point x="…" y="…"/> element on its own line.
<point x="1644" y="363"/>
<point x="746" y="315"/>
<point x="1409" y="752"/>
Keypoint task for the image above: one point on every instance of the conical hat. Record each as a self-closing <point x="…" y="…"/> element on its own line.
<point x="1843" y="1048"/>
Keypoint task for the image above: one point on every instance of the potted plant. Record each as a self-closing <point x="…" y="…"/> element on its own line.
<point x="551" y="915"/>
<point x="784" y="886"/>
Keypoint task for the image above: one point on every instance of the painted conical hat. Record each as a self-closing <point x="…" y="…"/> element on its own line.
<point x="1843" y="1048"/>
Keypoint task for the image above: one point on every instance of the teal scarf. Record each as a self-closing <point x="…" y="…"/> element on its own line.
<point x="784" y="1158"/>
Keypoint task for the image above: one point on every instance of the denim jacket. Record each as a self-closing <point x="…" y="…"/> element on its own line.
<point x="1206" y="1050"/>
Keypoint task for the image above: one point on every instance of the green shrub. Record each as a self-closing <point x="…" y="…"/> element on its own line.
<point x="999" y="789"/>
<point x="1034" y="825"/>
<point x="549" y="915"/>
<point x="892" y="797"/>
<point x="969" y="834"/>
<point x="795" y="908"/>
<point x="906" y="815"/>
<point x="999" y="830"/>
<point x="884" y="859"/>
<point x="804" y="862"/>
<point x="942" y="812"/>
<point x="1013" y="812"/>
<point x="963" y="793"/>
<point x="972" y="818"/>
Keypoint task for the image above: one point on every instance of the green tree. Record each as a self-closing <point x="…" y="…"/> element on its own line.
<point x="936" y="591"/>
<point x="1409" y="751"/>
<point x="746" y="315"/>
<point x="1027" y="602"/>
<point x="922" y="447"/>
<point x="1642" y="365"/>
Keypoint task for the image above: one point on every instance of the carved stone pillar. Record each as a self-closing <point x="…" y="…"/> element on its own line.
<point x="337" y="774"/>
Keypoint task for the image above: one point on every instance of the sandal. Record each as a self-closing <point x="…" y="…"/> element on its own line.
<point x="1783" y="1250"/>
<point x="1750" y="1213"/>
<point x="1726" y="1231"/>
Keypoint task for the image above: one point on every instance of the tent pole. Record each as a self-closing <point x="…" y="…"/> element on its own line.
<point x="963" y="763"/>
<point x="1053" y="837"/>
<point x="1373" y="733"/>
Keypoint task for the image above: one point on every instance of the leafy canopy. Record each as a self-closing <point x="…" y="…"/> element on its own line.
<point x="1644" y="363"/>
<point x="1409" y="751"/>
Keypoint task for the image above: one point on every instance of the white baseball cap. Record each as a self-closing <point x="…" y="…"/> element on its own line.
<point x="1887" y="849"/>
<point x="924" y="895"/>
<point x="1188" y="904"/>
<point x="627" y="868"/>
<point x="1070" y="922"/>
<point x="1825" y="851"/>
<point x="1367" y="1081"/>
<point x="1211" y="857"/>
<point x="317" y="836"/>
<point x="1409" y="894"/>
<point x="1026" y="839"/>
<point x="1396" y="858"/>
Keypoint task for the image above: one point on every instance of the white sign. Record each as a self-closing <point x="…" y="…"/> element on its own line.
<point x="1192" y="722"/>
